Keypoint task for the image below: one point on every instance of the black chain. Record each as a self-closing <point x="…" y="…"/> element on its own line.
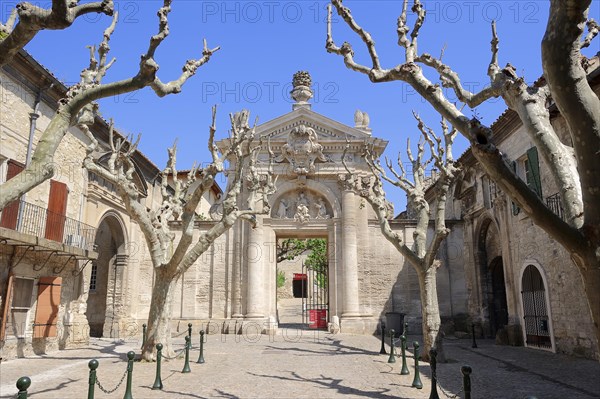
<point x="448" y="395"/>
<point x="179" y="335"/>
<point x="174" y="357"/>
<point x="108" y="392"/>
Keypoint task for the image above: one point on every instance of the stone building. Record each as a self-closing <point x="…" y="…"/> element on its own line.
<point x="99" y="273"/>
<point x="82" y="269"/>
<point x="522" y="286"/>
<point x="70" y="256"/>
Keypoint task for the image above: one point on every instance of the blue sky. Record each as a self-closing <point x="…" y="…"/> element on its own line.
<point x="263" y="43"/>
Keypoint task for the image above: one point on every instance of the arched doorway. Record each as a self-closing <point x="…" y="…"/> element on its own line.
<point x="535" y="311"/>
<point x="498" y="306"/>
<point x="493" y="288"/>
<point x="103" y="286"/>
<point x="302" y="295"/>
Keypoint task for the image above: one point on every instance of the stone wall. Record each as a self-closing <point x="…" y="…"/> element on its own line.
<point x="522" y="243"/>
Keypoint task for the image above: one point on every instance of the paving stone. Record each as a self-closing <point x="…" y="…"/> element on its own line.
<point x="306" y="364"/>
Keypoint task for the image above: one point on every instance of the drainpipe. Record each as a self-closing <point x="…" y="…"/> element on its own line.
<point x="32" y="125"/>
<point x="33" y="116"/>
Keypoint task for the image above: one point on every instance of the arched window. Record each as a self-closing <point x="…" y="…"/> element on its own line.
<point x="535" y="311"/>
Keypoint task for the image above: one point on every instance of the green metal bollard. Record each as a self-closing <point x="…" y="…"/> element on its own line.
<point x="201" y="355"/>
<point x="433" y="363"/>
<point x="466" y="371"/>
<point x="404" y="370"/>
<point x="417" y="380"/>
<point x="23" y="385"/>
<point x="130" y="357"/>
<point x="474" y="345"/>
<point x="190" y="330"/>
<point x="392" y="358"/>
<point x="186" y="366"/>
<point x="382" y="351"/>
<point x="144" y="334"/>
<point x="93" y="365"/>
<point x="158" y="381"/>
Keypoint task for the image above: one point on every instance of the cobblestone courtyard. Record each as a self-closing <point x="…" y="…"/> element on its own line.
<point x="306" y="364"/>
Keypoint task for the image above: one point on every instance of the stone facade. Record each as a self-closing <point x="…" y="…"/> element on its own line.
<point x="106" y="281"/>
<point x="95" y="249"/>
<point x="504" y="250"/>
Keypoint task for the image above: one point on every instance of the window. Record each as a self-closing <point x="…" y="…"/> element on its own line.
<point x="57" y="209"/>
<point x="10" y="214"/>
<point x="530" y="170"/>
<point x="93" y="277"/>
<point x="485" y="186"/>
<point x="490" y="192"/>
<point x="21" y="303"/>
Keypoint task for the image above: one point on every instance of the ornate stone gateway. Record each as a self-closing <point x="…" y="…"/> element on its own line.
<point x="311" y="200"/>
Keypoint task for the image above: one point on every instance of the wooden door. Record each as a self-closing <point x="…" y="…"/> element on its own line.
<point x="6" y="306"/>
<point x="46" y="313"/>
<point x="10" y="213"/>
<point x="57" y="208"/>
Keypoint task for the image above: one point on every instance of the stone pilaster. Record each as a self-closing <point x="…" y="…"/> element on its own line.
<point x="255" y="268"/>
<point x="350" y="304"/>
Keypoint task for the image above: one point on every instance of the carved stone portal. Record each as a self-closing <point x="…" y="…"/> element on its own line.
<point x="302" y="150"/>
<point x="302" y="206"/>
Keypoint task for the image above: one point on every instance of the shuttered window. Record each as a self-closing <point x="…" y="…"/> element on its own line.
<point x="532" y="171"/>
<point x="20" y="305"/>
<point x="57" y="208"/>
<point x="10" y="213"/>
<point x="515" y="207"/>
<point x="46" y="313"/>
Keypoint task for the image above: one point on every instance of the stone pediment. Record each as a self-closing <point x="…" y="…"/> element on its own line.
<point x="326" y="129"/>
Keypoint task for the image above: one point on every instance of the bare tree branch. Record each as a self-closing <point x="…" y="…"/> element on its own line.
<point x="528" y="102"/>
<point x="78" y="108"/>
<point x="593" y="29"/>
<point x="33" y="19"/>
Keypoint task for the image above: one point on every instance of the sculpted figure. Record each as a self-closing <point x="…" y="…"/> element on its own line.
<point x="321" y="209"/>
<point x="282" y="209"/>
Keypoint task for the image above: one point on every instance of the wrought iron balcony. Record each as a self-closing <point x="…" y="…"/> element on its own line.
<point x="554" y="203"/>
<point x="34" y="220"/>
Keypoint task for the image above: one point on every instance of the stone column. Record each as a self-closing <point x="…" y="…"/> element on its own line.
<point x="255" y="268"/>
<point x="236" y="275"/>
<point x="350" y="304"/>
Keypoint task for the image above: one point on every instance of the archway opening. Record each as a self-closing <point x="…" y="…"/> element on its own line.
<point x="110" y="243"/>
<point x="493" y="288"/>
<point x="535" y="312"/>
<point x="498" y="304"/>
<point x="302" y="284"/>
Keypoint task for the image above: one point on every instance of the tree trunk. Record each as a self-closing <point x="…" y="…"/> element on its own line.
<point x="159" y="327"/>
<point x="430" y="312"/>
<point x="591" y="283"/>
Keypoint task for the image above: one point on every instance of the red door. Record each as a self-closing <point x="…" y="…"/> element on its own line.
<point x="57" y="208"/>
<point x="317" y="318"/>
<point x="10" y="213"/>
<point x="48" y="300"/>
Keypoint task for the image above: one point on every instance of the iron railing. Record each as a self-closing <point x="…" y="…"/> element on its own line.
<point x="554" y="203"/>
<point x="34" y="220"/>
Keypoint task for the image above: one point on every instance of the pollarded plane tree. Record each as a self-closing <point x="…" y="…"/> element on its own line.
<point x="27" y="19"/>
<point x="180" y="200"/>
<point x="79" y="108"/>
<point x="575" y="167"/>
<point x="422" y="254"/>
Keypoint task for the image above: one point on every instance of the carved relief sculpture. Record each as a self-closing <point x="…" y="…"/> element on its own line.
<point x="282" y="209"/>
<point x="302" y="150"/>
<point x="307" y="206"/>
<point x="321" y="209"/>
